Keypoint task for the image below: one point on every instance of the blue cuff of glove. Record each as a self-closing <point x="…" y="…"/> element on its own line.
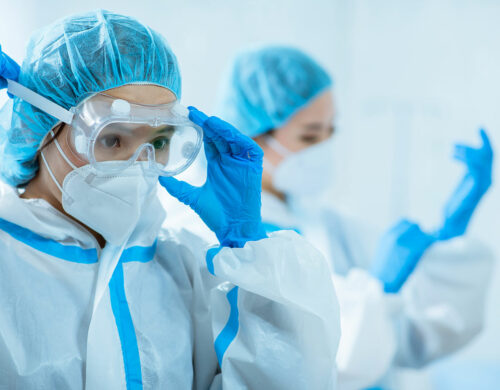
<point x="236" y="238"/>
<point x="398" y="256"/>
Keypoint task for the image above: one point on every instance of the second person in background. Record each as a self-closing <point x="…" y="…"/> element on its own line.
<point x="283" y="99"/>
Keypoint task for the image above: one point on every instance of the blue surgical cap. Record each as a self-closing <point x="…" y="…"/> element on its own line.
<point x="71" y="60"/>
<point x="267" y="86"/>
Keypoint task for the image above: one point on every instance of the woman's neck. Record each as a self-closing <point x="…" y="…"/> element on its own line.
<point x="37" y="189"/>
<point x="267" y="185"/>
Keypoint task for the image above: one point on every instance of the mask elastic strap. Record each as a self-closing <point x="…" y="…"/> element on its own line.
<point x="277" y="147"/>
<point x="54" y="178"/>
<point x="268" y="166"/>
<point x="51" y="173"/>
<point x="40" y="102"/>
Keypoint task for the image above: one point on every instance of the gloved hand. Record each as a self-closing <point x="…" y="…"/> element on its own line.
<point x="9" y="69"/>
<point x="230" y="200"/>
<point x="398" y="253"/>
<point x="477" y="180"/>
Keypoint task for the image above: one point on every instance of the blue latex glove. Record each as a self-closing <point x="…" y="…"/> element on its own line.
<point x="9" y="69"/>
<point x="477" y="180"/>
<point x="230" y="200"/>
<point x="398" y="253"/>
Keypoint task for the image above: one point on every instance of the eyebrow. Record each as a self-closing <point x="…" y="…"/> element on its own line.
<point x="314" y="126"/>
<point x="166" y="129"/>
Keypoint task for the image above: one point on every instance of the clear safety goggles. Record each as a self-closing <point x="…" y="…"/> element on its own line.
<point x="105" y="128"/>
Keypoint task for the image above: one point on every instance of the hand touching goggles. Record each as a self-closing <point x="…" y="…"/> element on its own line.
<point x="105" y="128"/>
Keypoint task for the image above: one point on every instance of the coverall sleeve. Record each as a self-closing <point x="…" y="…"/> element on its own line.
<point x="443" y="303"/>
<point x="368" y="343"/>
<point x="274" y="316"/>
<point x="440" y="308"/>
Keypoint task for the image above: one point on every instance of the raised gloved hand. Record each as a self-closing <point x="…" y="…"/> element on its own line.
<point x="477" y="180"/>
<point x="9" y="69"/>
<point x="398" y="253"/>
<point x="230" y="200"/>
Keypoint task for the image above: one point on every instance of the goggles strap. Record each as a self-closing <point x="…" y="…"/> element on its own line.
<point x="277" y="146"/>
<point x="40" y="102"/>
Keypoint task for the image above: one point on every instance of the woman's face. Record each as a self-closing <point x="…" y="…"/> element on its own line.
<point x="47" y="189"/>
<point x="309" y="126"/>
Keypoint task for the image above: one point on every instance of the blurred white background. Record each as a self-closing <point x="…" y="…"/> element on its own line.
<point x="411" y="79"/>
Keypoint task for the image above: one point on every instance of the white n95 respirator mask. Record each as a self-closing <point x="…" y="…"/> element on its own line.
<point x="110" y="204"/>
<point x="303" y="173"/>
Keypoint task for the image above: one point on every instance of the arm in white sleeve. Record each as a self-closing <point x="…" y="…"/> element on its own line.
<point x="443" y="302"/>
<point x="276" y="319"/>
<point x="368" y="344"/>
<point x="441" y="306"/>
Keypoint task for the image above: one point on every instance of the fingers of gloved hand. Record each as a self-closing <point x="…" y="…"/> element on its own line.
<point x="240" y="144"/>
<point x="225" y="137"/>
<point x="487" y="148"/>
<point x="472" y="157"/>
<point x="181" y="190"/>
<point x="200" y="119"/>
<point x="210" y="149"/>
<point x="463" y="152"/>
<point x="218" y="136"/>
<point x="401" y="227"/>
<point x="197" y="116"/>
<point x="210" y="137"/>
<point x="9" y="69"/>
<point x="481" y="155"/>
<point x="228" y="140"/>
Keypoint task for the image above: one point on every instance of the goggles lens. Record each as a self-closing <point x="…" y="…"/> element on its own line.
<point x="161" y="134"/>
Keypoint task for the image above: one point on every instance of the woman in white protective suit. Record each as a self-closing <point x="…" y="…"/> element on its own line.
<point x="93" y="293"/>
<point x="283" y="99"/>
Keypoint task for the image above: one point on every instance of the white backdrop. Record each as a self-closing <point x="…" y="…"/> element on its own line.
<point x="411" y="79"/>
